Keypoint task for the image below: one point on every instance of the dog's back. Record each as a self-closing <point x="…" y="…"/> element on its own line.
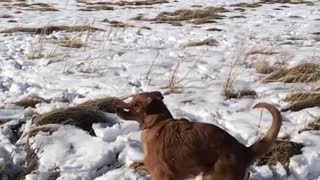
<point x="189" y="148"/>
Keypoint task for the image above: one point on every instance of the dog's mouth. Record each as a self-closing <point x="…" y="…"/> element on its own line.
<point x="123" y="106"/>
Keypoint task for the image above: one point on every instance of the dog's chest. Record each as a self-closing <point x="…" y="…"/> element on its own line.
<point x="148" y="141"/>
<point x="145" y="139"/>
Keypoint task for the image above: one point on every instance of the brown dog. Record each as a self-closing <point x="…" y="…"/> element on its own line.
<point x="176" y="149"/>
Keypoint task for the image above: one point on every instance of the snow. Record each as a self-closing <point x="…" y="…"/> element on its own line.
<point x="116" y="62"/>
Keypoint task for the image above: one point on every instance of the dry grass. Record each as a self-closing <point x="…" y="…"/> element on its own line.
<point x="194" y="16"/>
<point x="239" y="94"/>
<point x="264" y="67"/>
<point x="237" y="17"/>
<point x="6" y="16"/>
<point x="43" y="9"/>
<point x="206" y="42"/>
<point x="254" y="5"/>
<point x="97" y="8"/>
<point x="139" y="168"/>
<point x="215" y="29"/>
<point x="117" y="24"/>
<point x="299" y="101"/>
<point x="80" y="117"/>
<point x="48" y="129"/>
<point x="50" y="29"/>
<point x="246" y="5"/>
<point x="71" y="43"/>
<point x="4" y="120"/>
<point x="30" y="102"/>
<point x="294" y="97"/>
<point x="173" y="79"/>
<point x="31" y="163"/>
<point x="124" y="3"/>
<point x="266" y="52"/>
<point x="313" y="126"/>
<point x="307" y="72"/>
<point x="281" y="152"/>
<point x="286" y="2"/>
<point x="316" y="38"/>
<point x="35" y="6"/>
<point x="104" y="104"/>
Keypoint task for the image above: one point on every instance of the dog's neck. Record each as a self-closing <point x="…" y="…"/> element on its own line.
<point x="152" y="120"/>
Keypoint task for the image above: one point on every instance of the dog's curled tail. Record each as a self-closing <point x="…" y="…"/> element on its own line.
<point x="263" y="146"/>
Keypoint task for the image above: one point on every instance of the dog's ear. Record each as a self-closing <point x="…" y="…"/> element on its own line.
<point x="157" y="95"/>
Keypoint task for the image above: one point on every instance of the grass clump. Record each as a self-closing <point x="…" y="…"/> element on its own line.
<point x="194" y="16"/>
<point x="139" y="168"/>
<point x="263" y="67"/>
<point x="31" y="163"/>
<point x="246" y="5"/>
<point x="4" y="120"/>
<point x="104" y="104"/>
<point x="30" y="102"/>
<point x="286" y="2"/>
<point x="229" y="93"/>
<point x="307" y="72"/>
<point x="5" y="16"/>
<point x="313" y="126"/>
<point x="97" y="8"/>
<point x="206" y="42"/>
<point x="281" y="152"/>
<point x="124" y="3"/>
<point x="299" y="101"/>
<point x="50" y="29"/>
<point x="71" y="43"/>
<point x="80" y="117"/>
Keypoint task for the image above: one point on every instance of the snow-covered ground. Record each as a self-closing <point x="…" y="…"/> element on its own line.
<point x="120" y="61"/>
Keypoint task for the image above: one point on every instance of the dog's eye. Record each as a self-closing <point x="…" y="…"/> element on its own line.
<point x="136" y="105"/>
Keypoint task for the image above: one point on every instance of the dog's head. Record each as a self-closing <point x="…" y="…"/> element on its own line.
<point x="143" y="105"/>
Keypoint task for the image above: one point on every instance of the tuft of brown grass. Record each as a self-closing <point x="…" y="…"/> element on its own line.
<point x="4" y="120"/>
<point x="124" y="3"/>
<point x="47" y="129"/>
<point x="237" y="17"/>
<point x="139" y="168"/>
<point x="43" y="9"/>
<point x="30" y="102"/>
<point x="229" y="93"/>
<point x="246" y="5"/>
<point x="5" y="16"/>
<point x="206" y="42"/>
<point x="307" y="72"/>
<point x="301" y="100"/>
<point x="281" y="152"/>
<point x="71" y="43"/>
<point x="286" y="2"/>
<point x="31" y="163"/>
<point x="194" y="16"/>
<point x="97" y="8"/>
<point x="50" y="29"/>
<point x="313" y="126"/>
<point x="80" y="117"/>
<point x="117" y="24"/>
<point x="267" y="52"/>
<point x="254" y="5"/>
<point x="264" y="67"/>
<point x="214" y="29"/>
<point x="104" y="104"/>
